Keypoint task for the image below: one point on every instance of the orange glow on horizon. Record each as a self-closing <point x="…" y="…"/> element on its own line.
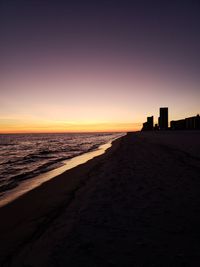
<point x="68" y="127"/>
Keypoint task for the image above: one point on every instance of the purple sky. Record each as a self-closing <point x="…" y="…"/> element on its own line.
<point x="100" y="63"/>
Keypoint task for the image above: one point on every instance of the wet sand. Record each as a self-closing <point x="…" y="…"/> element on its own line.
<point x="136" y="205"/>
<point x="29" y="184"/>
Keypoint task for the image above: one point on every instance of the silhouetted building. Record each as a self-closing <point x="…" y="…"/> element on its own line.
<point x="192" y="123"/>
<point x="163" y="119"/>
<point x="156" y="128"/>
<point x="148" y="126"/>
<point x="145" y="126"/>
<point x="150" y="122"/>
<point x="178" y="125"/>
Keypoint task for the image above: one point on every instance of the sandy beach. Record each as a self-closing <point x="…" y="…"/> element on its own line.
<point x="136" y="205"/>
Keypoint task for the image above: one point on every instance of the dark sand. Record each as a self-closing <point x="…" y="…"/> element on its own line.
<point x="137" y="205"/>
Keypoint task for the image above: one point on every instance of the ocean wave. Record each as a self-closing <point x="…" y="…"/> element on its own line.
<point x="27" y="156"/>
<point x="8" y="144"/>
<point x="8" y="186"/>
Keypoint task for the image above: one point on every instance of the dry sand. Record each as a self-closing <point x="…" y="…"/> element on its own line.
<point x="137" y="205"/>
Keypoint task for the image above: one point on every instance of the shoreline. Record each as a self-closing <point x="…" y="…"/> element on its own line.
<point x="38" y="203"/>
<point x="136" y="205"/>
<point x="29" y="184"/>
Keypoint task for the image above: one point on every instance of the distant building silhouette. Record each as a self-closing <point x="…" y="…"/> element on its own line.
<point x="178" y="125"/>
<point x="148" y="125"/>
<point x="192" y="123"/>
<point x="150" y="122"/>
<point x="156" y="128"/>
<point x="163" y="119"/>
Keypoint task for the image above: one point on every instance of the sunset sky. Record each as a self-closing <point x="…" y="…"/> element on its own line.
<point x="97" y="65"/>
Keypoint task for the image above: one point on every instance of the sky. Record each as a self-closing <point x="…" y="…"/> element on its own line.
<point x="69" y="66"/>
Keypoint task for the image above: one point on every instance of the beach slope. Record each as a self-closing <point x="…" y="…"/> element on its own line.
<point x="136" y="205"/>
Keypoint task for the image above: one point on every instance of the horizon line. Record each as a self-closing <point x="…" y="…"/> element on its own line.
<point x="74" y="132"/>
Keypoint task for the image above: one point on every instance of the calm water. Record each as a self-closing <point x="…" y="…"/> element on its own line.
<point x="23" y="156"/>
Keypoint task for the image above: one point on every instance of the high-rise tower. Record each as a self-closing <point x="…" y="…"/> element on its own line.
<point x="163" y="120"/>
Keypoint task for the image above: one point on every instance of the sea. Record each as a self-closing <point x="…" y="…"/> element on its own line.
<point x="25" y="156"/>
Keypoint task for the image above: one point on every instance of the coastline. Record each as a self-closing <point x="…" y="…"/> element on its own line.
<point x="38" y="203"/>
<point x="136" y="205"/>
<point x="31" y="183"/>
